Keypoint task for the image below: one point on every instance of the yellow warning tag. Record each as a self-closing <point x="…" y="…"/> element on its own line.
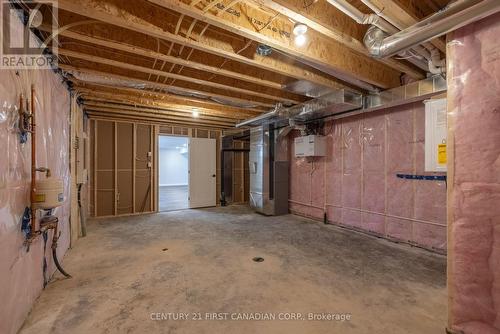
<point x="39" y="198"/>
<point x="442" y="153"/>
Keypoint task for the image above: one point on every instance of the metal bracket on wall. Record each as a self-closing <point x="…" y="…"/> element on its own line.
<point x="422" y="177"/>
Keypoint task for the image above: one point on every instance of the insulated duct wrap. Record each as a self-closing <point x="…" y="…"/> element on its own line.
<point x="474" y="187"/>
<point x="21" y="278"/>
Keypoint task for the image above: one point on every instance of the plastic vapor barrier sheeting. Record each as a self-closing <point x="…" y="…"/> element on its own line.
<point x="21" y="278"/>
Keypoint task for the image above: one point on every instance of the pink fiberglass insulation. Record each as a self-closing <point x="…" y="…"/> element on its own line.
<point x="356" y="183"/>
<point x="474" y="197"/>
<point x="22" y="279"/>
<point x="306" y="191"/>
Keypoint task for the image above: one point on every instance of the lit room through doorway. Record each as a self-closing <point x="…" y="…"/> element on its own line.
<point x="173" y="178"/>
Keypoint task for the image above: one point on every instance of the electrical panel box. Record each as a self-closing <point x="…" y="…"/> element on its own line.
<point x="310" y="146"/>
<point x="435" y="135"/>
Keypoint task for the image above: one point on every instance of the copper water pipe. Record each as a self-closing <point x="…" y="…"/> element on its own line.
<point x="33" y="161"/>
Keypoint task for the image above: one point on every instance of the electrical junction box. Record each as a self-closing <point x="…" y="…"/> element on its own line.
<point x="435" y="135"/>
<point x="310" y="146"/>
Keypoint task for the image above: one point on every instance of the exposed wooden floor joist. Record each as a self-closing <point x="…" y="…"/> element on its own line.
<point x="350" y="66"/>
<point x="174" y="60"/>
<point x="160" y="85"/>
<point x="166" y="58"/>
<point x="110" y="62"/>
<point x="322" y="18"/>
<point x="109" y="14"/>
<point x="147" y="97"/>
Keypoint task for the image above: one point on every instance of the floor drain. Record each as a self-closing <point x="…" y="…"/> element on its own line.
<point x="165" y="249"/>
<point x="258" y="259"/>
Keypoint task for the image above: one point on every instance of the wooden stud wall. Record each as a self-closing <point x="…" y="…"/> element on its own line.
<point x="124" y="172"/>
<point x="122" y="179"/>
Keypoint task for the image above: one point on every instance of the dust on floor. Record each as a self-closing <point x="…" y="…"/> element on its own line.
<point x="140" y="274"/>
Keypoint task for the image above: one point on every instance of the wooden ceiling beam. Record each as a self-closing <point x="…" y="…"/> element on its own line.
<point x="347" y="65"/>
<point x="90" y="97"/>
<point x="141" y="113"/>
<point x="147" y="70"/>
<point x="108" y="13"/>
<point x="103" y="115"/>
<point x="154" y="98"/>
<point x="326" y="20"/>
<point x="169" y="88"/>
<point x="157" y="111"/>
<point x="170" y="59"/>
<point x="103" y="99"/>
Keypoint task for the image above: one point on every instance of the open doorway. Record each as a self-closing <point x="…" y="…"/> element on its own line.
<point x="173" y="173"/>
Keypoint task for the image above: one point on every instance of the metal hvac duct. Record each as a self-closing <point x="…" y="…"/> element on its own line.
<point x="383" y="27"/>
<point x="261" y="119"/>
<point x="264" y="118"/>
<point x="333" y="103"/>
<point x="336" y="101"/>
<point x="456" y="15"/>
<point x="341" y="103"/>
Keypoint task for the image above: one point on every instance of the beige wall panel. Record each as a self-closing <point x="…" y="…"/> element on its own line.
<point x="125" y="136"/>
<point x="91" y="168"/>
<point x="105" y="176"/>
<point x="142" y="191"/>
<point x="143" y="186"/>
<point x="105" y="193"/>
<point x="125" y="164"/>
<point x="125" y="192"/>
<point x="105" y="144"/>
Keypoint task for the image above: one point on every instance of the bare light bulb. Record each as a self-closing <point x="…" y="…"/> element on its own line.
<point x="196" y="114"/>
<point x="300" y="40"/>
<point x="299" y="29"/>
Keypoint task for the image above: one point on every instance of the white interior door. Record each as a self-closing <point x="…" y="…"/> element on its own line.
<point x="202" y="172"/>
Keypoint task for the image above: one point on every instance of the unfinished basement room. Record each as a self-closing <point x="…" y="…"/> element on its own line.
<point x="250" y="166"/>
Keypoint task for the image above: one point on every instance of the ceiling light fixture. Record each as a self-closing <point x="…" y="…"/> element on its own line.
<point x="300" y="40"/>
<point x="299" y="29"/>
<point x="196" y="114"/>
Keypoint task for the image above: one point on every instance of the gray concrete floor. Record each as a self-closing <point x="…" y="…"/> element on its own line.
<point x="200" y="261"/>
<point x="173" y="198"/>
